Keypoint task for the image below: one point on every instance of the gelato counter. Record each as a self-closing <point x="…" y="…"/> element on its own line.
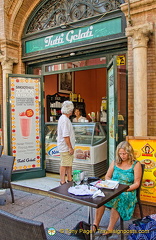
<point x="90" y="153"/>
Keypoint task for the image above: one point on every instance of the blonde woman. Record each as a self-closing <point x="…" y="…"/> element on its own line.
<point x="126" y="170"/>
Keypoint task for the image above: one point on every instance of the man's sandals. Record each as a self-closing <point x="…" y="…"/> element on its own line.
<point x="95" y="229"/>
<point x="65" y="182"/>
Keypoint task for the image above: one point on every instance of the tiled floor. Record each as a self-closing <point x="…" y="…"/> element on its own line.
<point x="43" y="185"/>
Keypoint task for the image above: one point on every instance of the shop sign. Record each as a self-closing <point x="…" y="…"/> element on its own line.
<point x="80" y="152"/>
<point x="145" y="152"/>
<point x="25" y="114"/>
<point x="121" y="60"/>
<point x="97" y="30"/>
<point x="52" y="151"/>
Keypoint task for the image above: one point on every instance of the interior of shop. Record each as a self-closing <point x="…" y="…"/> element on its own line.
<point x="85" y="83"/>
<point x="89" y="85"/>
<point x="88" y="89"/>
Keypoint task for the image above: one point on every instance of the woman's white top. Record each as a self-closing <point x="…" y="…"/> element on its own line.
<point x="80" y="119"/>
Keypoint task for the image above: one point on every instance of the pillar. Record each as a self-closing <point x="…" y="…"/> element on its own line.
<point x="7" y="67"/>
<point x="140" y="37"/>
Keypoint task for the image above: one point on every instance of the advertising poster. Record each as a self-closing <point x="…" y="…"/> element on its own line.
<point x="80" y="152"/>
<point x="111" y="114"/>
<point x="52" y="151"/>
<point x="25" y="126"/>
<point x="145" y="152"/>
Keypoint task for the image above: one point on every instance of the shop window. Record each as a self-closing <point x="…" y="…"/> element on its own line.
<point x="77" y="64"/>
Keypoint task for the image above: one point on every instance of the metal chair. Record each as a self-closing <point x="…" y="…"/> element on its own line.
<point x="6" y="166"/>
<point x="1" y="149"/>
<point x="16" y="228"/>
<point x="138" y="202"/>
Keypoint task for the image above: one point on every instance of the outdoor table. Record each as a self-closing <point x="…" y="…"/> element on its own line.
<point x="62" y="192"/>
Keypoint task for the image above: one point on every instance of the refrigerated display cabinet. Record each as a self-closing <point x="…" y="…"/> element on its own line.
<point x="90" y="153"/>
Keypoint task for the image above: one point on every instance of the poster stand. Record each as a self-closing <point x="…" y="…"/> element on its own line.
<point x="26" y="125"/>
<point x="145" y="152"/>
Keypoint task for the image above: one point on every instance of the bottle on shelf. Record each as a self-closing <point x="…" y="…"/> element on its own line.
<point x="98" y="116"/>
<point x="74" y="97"/>
<point x="104" y="103"/>
<point x="71" y="96"/>
<point x="103" y="115"/>
<point x="79" y="98"/>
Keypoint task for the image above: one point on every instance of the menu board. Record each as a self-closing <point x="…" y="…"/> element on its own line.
<point x="25" y="123"/>
<point x="145" y="152"/>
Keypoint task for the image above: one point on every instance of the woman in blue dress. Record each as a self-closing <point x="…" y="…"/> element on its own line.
<point x="126" y="170"/>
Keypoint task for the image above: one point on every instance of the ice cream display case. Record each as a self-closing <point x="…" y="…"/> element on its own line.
<point x="90" y="153"/>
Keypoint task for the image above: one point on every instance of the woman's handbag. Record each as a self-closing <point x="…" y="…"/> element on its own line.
<point x="82" y="230"/>
<point x="144" y="229"/>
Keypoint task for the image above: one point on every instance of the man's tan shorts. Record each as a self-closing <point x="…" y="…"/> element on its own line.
<point x="66" y="159"/>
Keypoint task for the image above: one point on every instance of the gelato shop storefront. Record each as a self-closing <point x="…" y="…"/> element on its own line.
<point x="92" y="50"/>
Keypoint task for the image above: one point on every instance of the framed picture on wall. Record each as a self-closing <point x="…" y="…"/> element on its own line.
<point x="66" y="82"/>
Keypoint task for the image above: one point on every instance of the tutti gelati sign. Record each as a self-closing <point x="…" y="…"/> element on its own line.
<point x="102" y="29"/>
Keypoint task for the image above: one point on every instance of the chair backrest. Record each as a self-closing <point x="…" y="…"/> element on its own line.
<point x="17" y="228"/>
<point x="6" y="166"/>
<point x="1" y="149"/>
<point x="139" y="188"/>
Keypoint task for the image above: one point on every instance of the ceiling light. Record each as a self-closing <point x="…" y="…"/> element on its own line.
<point x="72" y="54"/>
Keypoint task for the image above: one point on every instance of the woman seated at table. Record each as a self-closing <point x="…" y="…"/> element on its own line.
<point x="78" y="114"/>
<point x="126" y="170"/>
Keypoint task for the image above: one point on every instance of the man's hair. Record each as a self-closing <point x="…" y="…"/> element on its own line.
<point x="67" y="107"/>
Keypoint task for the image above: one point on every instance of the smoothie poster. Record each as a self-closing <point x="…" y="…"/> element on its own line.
<point x="145" y="152"/>
<point x="25" y="122"/>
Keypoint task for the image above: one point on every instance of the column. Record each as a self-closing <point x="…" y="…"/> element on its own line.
<point x="7" y="67"/>
<point x="140" y="37"/>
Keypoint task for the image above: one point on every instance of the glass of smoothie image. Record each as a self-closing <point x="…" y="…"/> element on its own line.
<point x="25" y="124"/>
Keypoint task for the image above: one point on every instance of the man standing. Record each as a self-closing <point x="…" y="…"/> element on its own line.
<point x="66" y="141"/>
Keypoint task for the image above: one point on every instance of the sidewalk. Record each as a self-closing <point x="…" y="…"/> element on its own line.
<point x="32" y="201"/>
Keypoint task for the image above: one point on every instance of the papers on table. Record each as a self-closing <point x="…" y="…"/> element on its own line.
<point x="108" y="184"/>
<point x="98" y="193"/>
<point x="82" y="190"/>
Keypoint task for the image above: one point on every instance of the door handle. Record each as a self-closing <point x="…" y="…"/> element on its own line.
<point x="117" y="137"/>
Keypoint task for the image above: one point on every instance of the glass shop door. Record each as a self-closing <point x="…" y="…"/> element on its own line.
<point x="117" y="103"/>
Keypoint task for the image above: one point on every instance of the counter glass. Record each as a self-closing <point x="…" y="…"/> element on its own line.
<point x="90" y="152"/>
<point x="85" y="133"/>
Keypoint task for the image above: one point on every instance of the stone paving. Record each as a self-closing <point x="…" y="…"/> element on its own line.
<point x="61" y="215"/>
